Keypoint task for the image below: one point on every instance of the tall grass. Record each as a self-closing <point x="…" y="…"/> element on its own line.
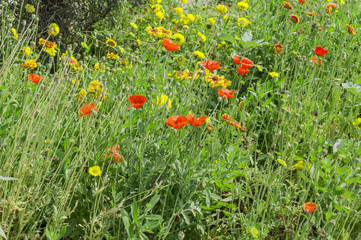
<point x="188" y="182"/>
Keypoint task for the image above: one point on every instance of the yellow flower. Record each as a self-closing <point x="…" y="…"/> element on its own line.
<point x="122" y="50"/>
<point x="259" y="68"/>
<point x="178" y="10"/>
<point x="112" y="56"/>
<point x="29" y="64"/>
<point x="81" y="95"/>
<point x="274" y="74"/>
<point x="184" y="1"/>
<point x="138" y="42"/>
<point x="48" y="46"/>
<point x="13" y="30"/>
<point x="299" y="165"/>
<point x="53" y="29"/>
<point x="163" y="99"/>
<point x="178" y="38"/>
<point x="199" y="54"/>
<point x="237" y="38"/>
<point x="95" y="171"/>
<point x="242" y="5"/>
<point x="111" y="43"/>
<point x="243" y="22"/>
<point x="202" y="36"/>
<point x="283" y="163"/>
<point x="27" y="51"/>
<point x="83" y="44"/>
<point x="97" y="67"/>
<point x="240" y="105"/>
<point x="221" y="9"/>
<point x="216" y="81"/>
<point x="159" y="15"/>
<point x="211" y="21"/>
<point x="357" y="123"/>
<point x="187" y="19"/>
<point x="254" y="232"/>
<point x="135" y="26"/>
<point x="93" y="85"/>
<point x="29" y="8"/>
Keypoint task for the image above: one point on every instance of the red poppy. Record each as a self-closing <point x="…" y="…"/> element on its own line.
<point x="35" y="78"/>
<point x="211" y="65"/>
<point x="242" y="70"/>
<point x="278" y="48"/>
<point x="177" y="122"/>
<point x="86" y="109"/>
<point x="236" y="59"/>
<point x="247" y="63"/>
<point x="137" y="101"/>
<point x="302" y="1"/>
<point x="169" y="45"/>
<point x="320" y="51"/>
<point x="309" y="207"/>
<point x="225" y="93"/>
<point x="196" y="122"/>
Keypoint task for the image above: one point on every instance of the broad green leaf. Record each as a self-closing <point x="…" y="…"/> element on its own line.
<point x="252" y="44"/>
<point x="2" y="233"/>
<point x="7" y="178"/>
<point x="227" y="37"/>
<point x="342" y="170"/>
<point x="152" y="202"/>
<point x="247" y="36"/>
<point x="125" y="219"/>
<point x="351" y="87"/>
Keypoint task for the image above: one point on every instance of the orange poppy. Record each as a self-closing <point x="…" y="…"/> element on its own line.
<point x="242" y="70"/>
<point x="196" y="122"/>
<point x="309" y="207"/>
<point x="320" y="51"/>
<point x="302" y="1"/>
<point x="350" y="29"/>
<point x="236" y="59"/>
<point x="314" y="60"/>
<point x="226" y="117"/>
<point x="35" y="78"/>
<point x="311" y="14"/>
<point x="211" y="65"/>
<point x="238" y="126"/>
<point x="225" y="93"/>
<point x="113" y="152"/>
<point x="86" y="109"/>
<point x="177" y="122"/>
<point x="278" y="48"/>
<point x="137" y="101"/>
<point x="169" y="45"/>
<point x="246" y="63"/>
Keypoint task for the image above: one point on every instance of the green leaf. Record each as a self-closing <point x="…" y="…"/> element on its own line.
<point x="2" y="233"/>
<point x="227" y="37"/>
<point x="154" y="217"/>
<point x="152" y="202"/>
<point x="252" y="44"/>
<point x="7" y="178"/>
<point x="342" y="170"/>
<point x="247" y="36"/>
<point x="351" y="87"/>
<point x="125" y="219"/>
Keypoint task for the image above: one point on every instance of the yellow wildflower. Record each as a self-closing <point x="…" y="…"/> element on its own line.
<point x="29" y="8"/>
<point x="299" y="165"/>
<point x="242" y="5"/>
<point x="53" y="29"/>
<point x="178" y="38"/>
<point x="163" y="99"/>
<point x="221" y="9"/>
<point x="111" y="43"/>
<point x="243" y="22"/>
<point x="274" y="74"/>
<point x="357" y="123"/>
<point x="13" y="30"/>
<point x="202" y="36"/>
<point x="199" y="54"/>
<point x="283" y="163"/>
<point x="95" y="171"/>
